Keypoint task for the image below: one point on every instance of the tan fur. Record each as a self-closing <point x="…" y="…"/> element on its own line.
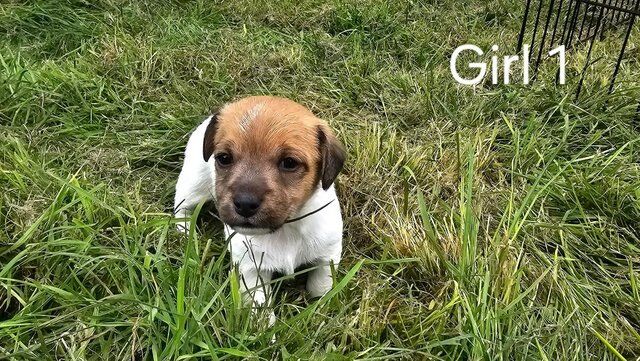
<point x="259" y="132"/>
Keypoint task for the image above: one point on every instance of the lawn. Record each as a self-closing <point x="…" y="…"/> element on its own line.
<point x="488" y="222"/>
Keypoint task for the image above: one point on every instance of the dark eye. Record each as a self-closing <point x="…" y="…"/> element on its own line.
<point x="289" y="164"/>
<point x="224" y="159"/>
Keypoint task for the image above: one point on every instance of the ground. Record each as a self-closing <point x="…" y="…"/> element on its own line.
<point x="487" y="222"/>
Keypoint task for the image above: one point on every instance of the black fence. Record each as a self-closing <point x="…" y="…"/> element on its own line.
<point x="548" y="24"/>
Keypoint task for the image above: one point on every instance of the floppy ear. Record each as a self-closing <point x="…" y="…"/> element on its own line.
<point x="332" y="156"/>
<point x="209" y="134"/>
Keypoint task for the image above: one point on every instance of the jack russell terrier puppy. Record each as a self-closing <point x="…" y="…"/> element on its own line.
<point x="269" y="164"/>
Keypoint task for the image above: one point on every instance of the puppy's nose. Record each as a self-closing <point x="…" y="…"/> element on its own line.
<point x="246" y="204"/>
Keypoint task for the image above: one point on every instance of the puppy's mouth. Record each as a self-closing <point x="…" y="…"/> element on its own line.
<point x="249" y="229"/>
<point x="258" y="224"/>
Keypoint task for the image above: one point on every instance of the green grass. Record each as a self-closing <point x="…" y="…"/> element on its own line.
<point x="487" y="223"/>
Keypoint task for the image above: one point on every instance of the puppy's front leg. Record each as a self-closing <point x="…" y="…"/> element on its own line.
<point x="256" y="289"/>
<point x="320" y="281"/>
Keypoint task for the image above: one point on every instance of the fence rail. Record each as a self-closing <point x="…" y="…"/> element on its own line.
<point x="574" y="23"/>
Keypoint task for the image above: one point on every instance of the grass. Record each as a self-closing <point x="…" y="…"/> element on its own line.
<point x="495" y="222"/>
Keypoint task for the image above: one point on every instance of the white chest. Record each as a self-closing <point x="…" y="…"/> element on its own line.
<point x="282" y="251"/>
<point x="310" y="240"/>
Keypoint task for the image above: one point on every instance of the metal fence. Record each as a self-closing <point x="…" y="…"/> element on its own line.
<point x="550" y="23"/>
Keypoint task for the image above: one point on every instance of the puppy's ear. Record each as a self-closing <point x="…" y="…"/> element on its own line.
<point x="332" y="156"/>
<point x="209" y="134"/>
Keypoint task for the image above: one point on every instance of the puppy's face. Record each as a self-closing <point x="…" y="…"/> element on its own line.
<point x="269" y="155"/>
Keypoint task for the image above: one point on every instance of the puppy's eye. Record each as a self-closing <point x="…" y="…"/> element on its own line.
<point x="224" y="159"/>
<point x="289" y="164"/>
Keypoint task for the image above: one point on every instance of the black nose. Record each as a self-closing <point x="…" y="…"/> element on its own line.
<point x="246" y="204"/>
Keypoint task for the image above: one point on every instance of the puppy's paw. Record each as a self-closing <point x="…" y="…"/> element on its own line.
<point x="184" y="224"/>
<point x="183" y="227"/>
<point x="319" y="282"/>
<point x="318" y="291"/>
<point x="264" y="316"/>
<point x="272" y="319"/>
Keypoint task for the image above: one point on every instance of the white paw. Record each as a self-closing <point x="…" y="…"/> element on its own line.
<point x="319" y="291"/>
<point x="272" y="318"/>
<point x="261" y="314"/>
<point x="183" y="227"/>
<point x="318" y="284"/>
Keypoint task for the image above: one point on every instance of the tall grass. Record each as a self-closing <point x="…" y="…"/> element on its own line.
<point x="481" y="223"/>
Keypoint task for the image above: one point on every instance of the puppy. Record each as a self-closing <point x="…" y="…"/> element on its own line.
<point x="269" y="164"/>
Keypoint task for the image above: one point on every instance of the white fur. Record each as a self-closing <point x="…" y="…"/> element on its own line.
<point x="249" y="116"/>
<point x="314" y="240"/>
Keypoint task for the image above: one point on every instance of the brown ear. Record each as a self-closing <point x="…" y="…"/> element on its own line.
<point x="332" y="155"/>
<point x="209" y="134"/>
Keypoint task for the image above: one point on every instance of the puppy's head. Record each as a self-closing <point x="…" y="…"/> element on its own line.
<point x="269" y="154"/>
